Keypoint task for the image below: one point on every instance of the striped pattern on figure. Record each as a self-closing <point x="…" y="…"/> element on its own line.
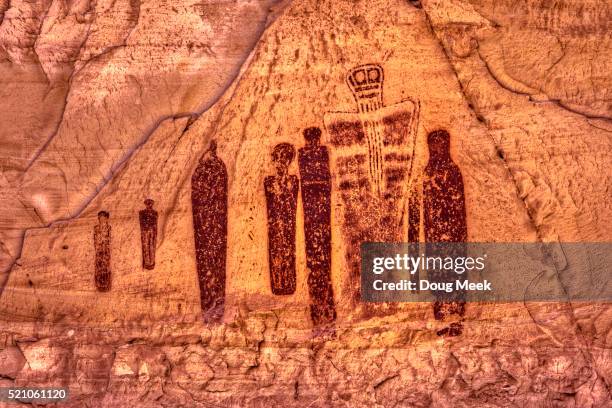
<point x="373" y="151"/>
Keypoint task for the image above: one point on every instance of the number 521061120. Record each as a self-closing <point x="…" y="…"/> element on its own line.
<point x="27" y="394"/>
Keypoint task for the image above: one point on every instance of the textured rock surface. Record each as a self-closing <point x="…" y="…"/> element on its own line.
<point x="86" y="83"/>
<point x="105" y="104"/>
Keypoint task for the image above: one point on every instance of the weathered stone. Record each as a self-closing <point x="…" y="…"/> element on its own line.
<point x="47" y="364"/>
<point x="104" y="104"/>
<point x="11" y="361"/>
<point x="93" y="368"/>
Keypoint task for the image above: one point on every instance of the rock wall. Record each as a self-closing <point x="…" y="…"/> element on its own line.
<point x="108" y="103"/>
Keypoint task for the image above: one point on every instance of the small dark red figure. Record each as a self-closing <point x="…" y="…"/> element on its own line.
<point x="102" y="245"/>
<point x="148" y="234"/>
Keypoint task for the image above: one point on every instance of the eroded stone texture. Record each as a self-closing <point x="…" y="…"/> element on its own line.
<point x="92" y="368"/>
<point x="47" y="363"/>
<point x="521" y="87"/>
<point x="84" y="84"/>
<point x="522" y="74"/>
<point x="11" y="362"/>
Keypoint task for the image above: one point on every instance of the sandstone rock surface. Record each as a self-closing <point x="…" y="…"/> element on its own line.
<point x="105" y="104"/>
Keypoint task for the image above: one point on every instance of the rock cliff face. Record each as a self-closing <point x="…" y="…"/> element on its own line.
<point x="105" y="104"/>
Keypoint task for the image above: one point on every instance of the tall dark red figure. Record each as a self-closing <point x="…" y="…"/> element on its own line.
<point x="444" y="221"/>
<point x="209" y="206"/>
<point x="281" y="201"/>
<point x="148" y="233"/>
<point x="315" y="181"/>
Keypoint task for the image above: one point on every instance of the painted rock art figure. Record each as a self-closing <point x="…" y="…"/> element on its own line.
<point x="209" y="206"/>
<point x="315" y="179"/>
<point x="414" y="214"/>
<point x="373" y="151"/>
<point x="414" y="224"/>
<point x="148" y="234"/>
<point x="102" y="245"/>
<point x="281" y="200"/>
<point x="444" y="220"/>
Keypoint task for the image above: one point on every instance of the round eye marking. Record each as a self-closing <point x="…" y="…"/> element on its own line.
<point x="373" y="75"/>
<point x="360" y="77"/>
